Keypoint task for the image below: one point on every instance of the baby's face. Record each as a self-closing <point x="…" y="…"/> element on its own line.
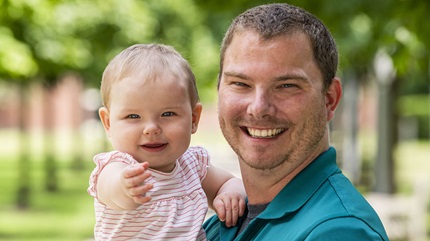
<point x="152" y="120"/>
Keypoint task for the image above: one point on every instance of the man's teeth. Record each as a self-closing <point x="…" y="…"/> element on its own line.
<point x="257" y="133"/>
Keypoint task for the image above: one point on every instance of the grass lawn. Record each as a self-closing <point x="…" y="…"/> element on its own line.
<point x="66" y="214"/>
<point x="63" y="215"/>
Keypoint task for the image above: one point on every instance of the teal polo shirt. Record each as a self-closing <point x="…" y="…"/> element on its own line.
<point x="320" y="203"/>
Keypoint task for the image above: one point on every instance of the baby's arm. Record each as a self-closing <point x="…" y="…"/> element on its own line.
<point x="226" y="195"/>
<point x="120" y="186"/>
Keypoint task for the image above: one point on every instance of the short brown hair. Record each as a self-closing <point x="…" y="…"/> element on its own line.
<point x="273" y="20"/>
<point x="152" y="60"/>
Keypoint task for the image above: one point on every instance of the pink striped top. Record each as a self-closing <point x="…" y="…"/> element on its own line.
<point x="176" y="211"/>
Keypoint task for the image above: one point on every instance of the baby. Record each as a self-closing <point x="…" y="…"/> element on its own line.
<point x="154" y="186"/>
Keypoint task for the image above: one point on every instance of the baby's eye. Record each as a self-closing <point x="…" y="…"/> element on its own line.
<point x="133" y="116"/>
<point x="168" y="113"/>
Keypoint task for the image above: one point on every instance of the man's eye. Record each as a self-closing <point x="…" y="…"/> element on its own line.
<point x="288" y="85"/>
<point x="240" y="84"/>
<point x="133" y="116"/>
<point x="169" y="113"/>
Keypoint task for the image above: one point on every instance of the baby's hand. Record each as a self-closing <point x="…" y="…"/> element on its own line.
<point x="132" y="180"/>
<point x="229" y="207"/>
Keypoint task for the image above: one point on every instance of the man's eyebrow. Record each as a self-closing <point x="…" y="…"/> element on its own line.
<point x="291" y="76"/>
<point x="236" y="75"/>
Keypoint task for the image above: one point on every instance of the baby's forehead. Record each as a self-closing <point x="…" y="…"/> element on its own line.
<point x="165" y="85"/>
<point x="162" y="78"/>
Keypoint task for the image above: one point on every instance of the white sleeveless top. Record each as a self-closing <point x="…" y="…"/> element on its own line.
<point x="177" y="208"/>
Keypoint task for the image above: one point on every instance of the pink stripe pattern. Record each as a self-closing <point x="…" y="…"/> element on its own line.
<point x="176" y="211"/>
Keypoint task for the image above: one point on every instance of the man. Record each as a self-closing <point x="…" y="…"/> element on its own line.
<point x="277" y="92"/>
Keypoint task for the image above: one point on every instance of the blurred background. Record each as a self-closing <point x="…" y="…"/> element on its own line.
<point x="53" y="52"/>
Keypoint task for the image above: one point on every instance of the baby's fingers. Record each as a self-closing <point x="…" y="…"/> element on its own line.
<point x="134" y="170"/>
<point x="229" y="208"/>
<point x="137" y="178"/>
<point x="232" y="212"/>
<point x="242" y="206"/>
<point x="136" y="181"/>
<point x="139" y="193"/>
<point x="219" y="209"/>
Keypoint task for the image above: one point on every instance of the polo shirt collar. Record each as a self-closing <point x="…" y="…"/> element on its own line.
<point x="303" y="186"/>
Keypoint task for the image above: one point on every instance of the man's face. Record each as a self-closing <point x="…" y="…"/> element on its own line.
<point x="272" y="106"/>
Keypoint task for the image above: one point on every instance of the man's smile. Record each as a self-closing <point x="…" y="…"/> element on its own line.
<point x="264" y="133"/>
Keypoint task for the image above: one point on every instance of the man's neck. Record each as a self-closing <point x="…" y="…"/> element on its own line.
<point x="262" y="186"/>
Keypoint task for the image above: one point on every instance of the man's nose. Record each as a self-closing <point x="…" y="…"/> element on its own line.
<point x="260" y="105"/>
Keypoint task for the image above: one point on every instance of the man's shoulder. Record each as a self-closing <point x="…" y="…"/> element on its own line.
<point x="345" y="228"/>
<point x="346" y="210"/>
<point x="349" y="197"/>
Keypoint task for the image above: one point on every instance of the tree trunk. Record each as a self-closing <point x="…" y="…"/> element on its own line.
<point x="387" y="138"/>
<point x="351" y="158"/>
<point x="51" y="179"/>
<point x="24" y="187"/>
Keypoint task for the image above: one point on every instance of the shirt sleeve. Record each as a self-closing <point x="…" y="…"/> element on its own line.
<point x="202" y="156"/>
<point x="101" y="160"/>
<point x="346" y="228"/>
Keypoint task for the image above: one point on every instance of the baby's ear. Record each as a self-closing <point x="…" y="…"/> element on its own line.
<point x="197" y="111"/>
<point x="105" y="118"/>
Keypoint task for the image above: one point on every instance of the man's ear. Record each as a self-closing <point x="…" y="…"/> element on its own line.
<point x="105" y="118"/>
<point x="333" y="96"/>
<point x="197" y="111"/>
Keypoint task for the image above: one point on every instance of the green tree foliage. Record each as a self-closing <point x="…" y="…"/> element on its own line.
<point x="46" y="39"/>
